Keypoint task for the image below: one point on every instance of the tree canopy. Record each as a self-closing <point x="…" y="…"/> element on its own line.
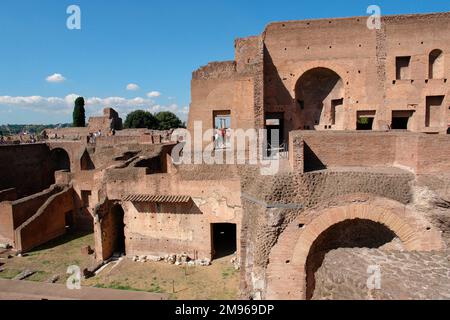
<point x="140" y="119"/>
<point x="168" y="120"/>
<point x="79" y="114"/>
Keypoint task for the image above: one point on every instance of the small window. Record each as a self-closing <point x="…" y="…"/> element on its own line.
<point x="365" y="120"/>
<point x="403" y="71"/>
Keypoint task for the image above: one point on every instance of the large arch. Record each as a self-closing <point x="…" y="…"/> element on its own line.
<point x="286" y="274"/>
<point x="319" y="94"/>
<point x="60" y="159"/>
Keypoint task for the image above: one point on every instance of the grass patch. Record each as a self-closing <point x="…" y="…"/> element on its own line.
<point x="228" y="272"/>
<point x="154" y="288"/>
<point x="39" y="276"/>
<point x="9" y="273"/>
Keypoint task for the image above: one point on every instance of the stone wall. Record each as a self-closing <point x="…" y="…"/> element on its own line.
<point x="419" y="153"/>
<point x="271" y="203"/>
<point x="48" y="223"/>
<point x="27" y="168"/>
<point x="404" y="275"/>
<point x="365" y="60"/>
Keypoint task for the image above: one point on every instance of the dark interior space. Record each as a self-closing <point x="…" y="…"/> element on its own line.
<point x="69" y="221"/>
<point x="223" y="239"/>
<point x="119" y="229"/>
<point x="153" y="165"/>
<point x="60" y="160"/>
<point x="86" y="162"/>
<point x="364" y="124"/>
<point x="356" y="233"/>
<point x="399" y="123"/>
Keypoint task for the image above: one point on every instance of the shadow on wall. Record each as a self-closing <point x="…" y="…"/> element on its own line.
<point x="68" y="237"/>
<point x="311" y="160"/>
<point x="276" y="92"/>
<point x="357" y="233"/>
<point x="86" y="162"/>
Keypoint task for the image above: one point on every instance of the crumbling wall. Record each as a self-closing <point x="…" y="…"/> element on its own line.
<point x="266" y="214"/>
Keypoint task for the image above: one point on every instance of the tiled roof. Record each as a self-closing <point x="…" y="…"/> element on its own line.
<point x="156" y="198"/>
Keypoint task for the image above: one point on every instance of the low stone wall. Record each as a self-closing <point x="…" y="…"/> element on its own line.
<point x="47" y="223"/>
<point x="421" y="153"/>
<point x="117" y="140"/>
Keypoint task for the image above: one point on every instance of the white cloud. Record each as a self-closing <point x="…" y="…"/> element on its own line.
<point x="154" y="94"/>
<point x="55" y="78"/>
<point x="132" y="87"/>
<point x="94" y="105"/>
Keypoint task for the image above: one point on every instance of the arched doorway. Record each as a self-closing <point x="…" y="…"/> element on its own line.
<point x="289" y="258"/>
<point x="319" y="94"/>
<point x="60" y="159"/>
<point x="356" y="233"/>
<point x="436" y="64"/>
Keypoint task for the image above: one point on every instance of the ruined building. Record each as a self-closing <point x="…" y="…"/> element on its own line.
<point x="363" y="117"/>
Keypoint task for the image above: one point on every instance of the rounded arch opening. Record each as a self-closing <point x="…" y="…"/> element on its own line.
<point x="355" y="233"/>
<point x="60" y="159"/>
<point x="319" y="94"/>
<point x="436" y="64"/>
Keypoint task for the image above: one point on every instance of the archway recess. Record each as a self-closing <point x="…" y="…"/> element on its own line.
<point x="60" y="159"/>
<point x="319" y="93"/>
<point x="309" y="234"/>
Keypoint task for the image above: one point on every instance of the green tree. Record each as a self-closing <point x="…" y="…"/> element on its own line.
<point x="140" y="119"/>
<point x="168" y="120"/>
<point x="79" y="114"/>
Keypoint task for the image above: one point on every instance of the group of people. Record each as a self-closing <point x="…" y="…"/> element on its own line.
<point x="20" y="138"/>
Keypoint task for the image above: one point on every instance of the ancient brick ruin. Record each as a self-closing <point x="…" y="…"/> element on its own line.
<point x="363" y="116"/>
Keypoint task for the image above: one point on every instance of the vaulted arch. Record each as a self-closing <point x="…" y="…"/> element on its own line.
<point x="370" y="223"/>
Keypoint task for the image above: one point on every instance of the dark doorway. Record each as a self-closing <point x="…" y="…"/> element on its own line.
<point x="60" y="160"/>
<point x="223" y="239"/>
<point x="119" y="229"/>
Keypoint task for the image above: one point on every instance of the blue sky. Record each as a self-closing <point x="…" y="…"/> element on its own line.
<point x="153" y="44"/>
